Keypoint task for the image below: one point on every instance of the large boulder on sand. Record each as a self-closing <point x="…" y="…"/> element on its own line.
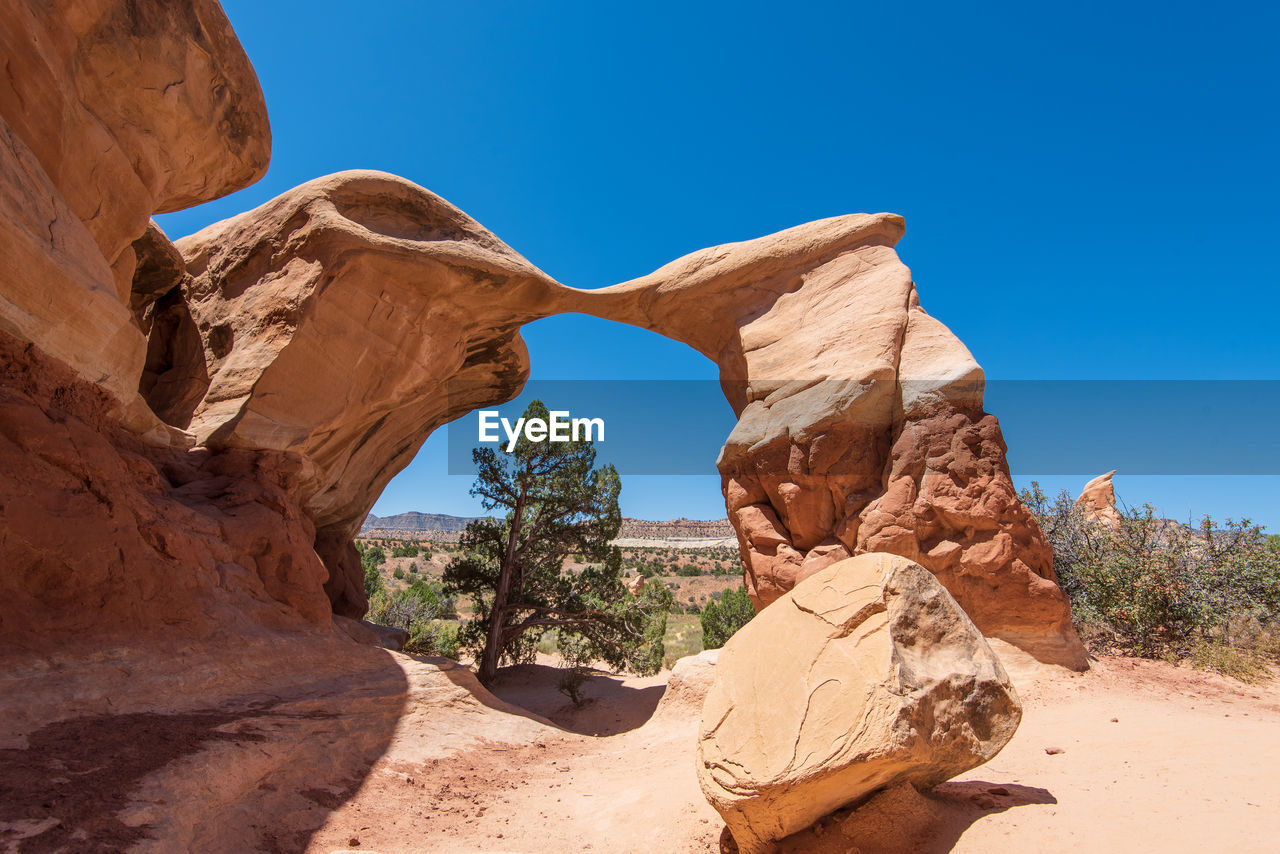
<point x="867" y="674"/>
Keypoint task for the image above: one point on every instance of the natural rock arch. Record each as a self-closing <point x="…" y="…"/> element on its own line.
<point x="358" y="304"/>
<point x="249" y="390"/>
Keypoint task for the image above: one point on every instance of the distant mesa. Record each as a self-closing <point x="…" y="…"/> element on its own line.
<point x="675" y="529"/>
<point x="415" y="521"/>
<point x="639" y="529"/>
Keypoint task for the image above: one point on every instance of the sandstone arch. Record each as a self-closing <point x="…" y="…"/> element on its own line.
<point x="272" y="372"/>
<point x="354" y="301"/>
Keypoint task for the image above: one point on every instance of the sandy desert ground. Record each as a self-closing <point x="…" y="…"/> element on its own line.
<point x="1152" y="758"/>
<point x="400" y="754"/>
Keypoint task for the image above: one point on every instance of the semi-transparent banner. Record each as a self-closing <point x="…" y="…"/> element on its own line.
<point x="1051" y="427"/>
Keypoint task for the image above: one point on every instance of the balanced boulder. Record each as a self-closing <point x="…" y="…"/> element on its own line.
<point x="867" y="674"/>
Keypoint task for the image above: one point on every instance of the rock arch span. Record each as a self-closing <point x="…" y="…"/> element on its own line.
<point x="355" y="304"/>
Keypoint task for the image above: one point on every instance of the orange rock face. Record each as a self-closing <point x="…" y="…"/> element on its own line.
<point x="102" y="530"/>
<point x="110" y="112"/>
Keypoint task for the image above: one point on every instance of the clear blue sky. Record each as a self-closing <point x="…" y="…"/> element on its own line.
<point x="1090" y="189"/>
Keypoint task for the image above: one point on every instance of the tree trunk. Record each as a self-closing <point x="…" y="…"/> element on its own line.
<point x="501" y="596"/>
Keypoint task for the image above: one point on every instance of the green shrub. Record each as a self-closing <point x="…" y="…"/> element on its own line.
<point x="1247" y="665"/>
<point x="419" y="603"/>
<point x="434" y="637"/>
<point x="571" y="683"/>
<point x="548" y="643"/>
<point x="683" y="637"/>
<point x="720" y="619"/>
<point x="433" y="594"/>
<point x="398" y="573"/>
<point x="688" y="571"/>
<point x="371" y="558"/>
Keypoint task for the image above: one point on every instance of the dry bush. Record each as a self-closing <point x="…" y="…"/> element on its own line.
<point x="1155" y="588"/>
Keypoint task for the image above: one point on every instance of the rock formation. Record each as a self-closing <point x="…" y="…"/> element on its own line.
<point x="110" y="112"/>
<point x="103" y="531"/>
<point x="866" y="674"/>
<point x="860" y="422"/>
<point x="688" y="685"/>
<point x="1098" y="501"/>
<point x="343" y="322"/>
<point x="192" y="432"/>
<point x="215" y="417"/>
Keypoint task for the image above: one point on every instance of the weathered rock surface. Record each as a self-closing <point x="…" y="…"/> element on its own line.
<point x="867" y="674"/>
<point x="110" y="112"/>
<point x="191" y="433"/>
<point x="102" y="530"/>
<point x="688" y="685"/>
<point x="246" y="745"/>
<point x="343" y="322"/>
<point x="860" y="425"/>
<point x="1098" y="501"/>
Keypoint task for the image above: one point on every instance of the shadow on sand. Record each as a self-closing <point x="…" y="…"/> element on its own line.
<point x="286" y="753"/>
<point x="900" y="820"/>
<point x="611" y="707"/>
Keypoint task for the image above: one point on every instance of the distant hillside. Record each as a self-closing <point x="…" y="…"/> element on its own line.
<point x="443" y="523"/>
<point x="674" y="529"/>
<point x="415" y="521"/>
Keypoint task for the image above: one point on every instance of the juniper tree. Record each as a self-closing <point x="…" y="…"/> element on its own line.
<point x="552" y="503"/>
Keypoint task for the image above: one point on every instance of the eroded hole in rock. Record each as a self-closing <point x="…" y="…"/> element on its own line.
<point x="221" y="339"/>
<point x="174" y="380"/>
